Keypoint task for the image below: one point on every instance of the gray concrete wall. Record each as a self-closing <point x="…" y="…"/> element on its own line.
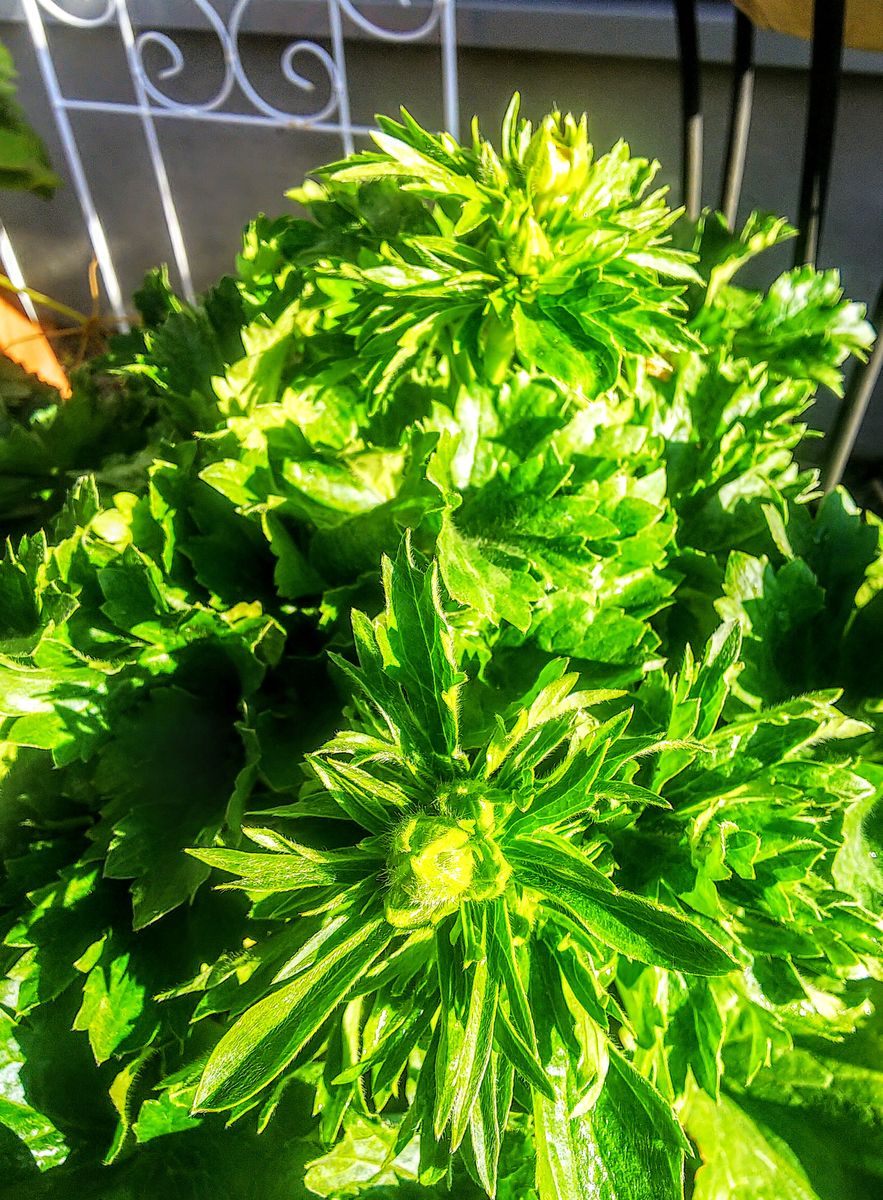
<point x="222" y="176"/>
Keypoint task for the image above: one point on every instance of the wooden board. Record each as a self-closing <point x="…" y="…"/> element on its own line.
<point x="864" y="19"/>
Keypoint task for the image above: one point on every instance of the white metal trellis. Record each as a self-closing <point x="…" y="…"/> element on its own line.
<point x="151" y="103"/>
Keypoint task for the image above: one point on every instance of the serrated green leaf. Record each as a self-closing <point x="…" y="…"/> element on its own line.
<point x="115" y="1010"/>
<point x="42" y="1145"/>
<point x="167" y="788"/>
<point x="266" y="872"/>
<point x="738" y="1154"/>
<point x="520" y="1055"/>
<point x="364" y="1158"/>
<point x="488" y="1120"/>
<point x="420" y="646"/>
<point x="374" y="803"/>
<point x="634" y="926"/>
<point x="467" y="1060"/>
<point x="613" y="1151"/>
<point x="264" y="1041"/>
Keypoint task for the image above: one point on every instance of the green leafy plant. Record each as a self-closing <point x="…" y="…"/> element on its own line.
<point x="349" y="856"/>
<point x="23" y="161"/>
<point x="46" y="444"/>
<point x="555" y="258"/>
<point x="812" y="608"/>
<point x="476" y="919"/>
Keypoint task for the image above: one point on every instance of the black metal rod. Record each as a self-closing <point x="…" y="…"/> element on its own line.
<point x="821" y="120"/>
<point x="852" y="410"/>
<point x="691" y="106"/>
<point x="741" y="105"/>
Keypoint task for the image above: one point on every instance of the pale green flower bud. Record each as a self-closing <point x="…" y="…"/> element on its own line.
<point x="529" y="249"/>
<point x="496" y="340"/>
<point x="436" y="864"/>
<point x="557" y="162"/>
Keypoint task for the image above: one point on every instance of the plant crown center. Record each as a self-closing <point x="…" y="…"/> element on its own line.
<point x="440" y="859"/>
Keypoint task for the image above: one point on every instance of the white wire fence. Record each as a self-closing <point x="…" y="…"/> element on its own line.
<point x="238" y="100"/>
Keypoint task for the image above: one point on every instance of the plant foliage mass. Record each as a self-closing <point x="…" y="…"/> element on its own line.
<point x="441" y="726"/>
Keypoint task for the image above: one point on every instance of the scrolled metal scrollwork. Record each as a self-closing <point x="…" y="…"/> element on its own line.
<point x="177" y="64"/>
<point x="60" y="13"/>
<point x="235" y="73"/>
<point x="289" y="72"/>
<point x="169" y="61"/>
<point x="351" y="8"/>
<point x="152" y="77"/>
